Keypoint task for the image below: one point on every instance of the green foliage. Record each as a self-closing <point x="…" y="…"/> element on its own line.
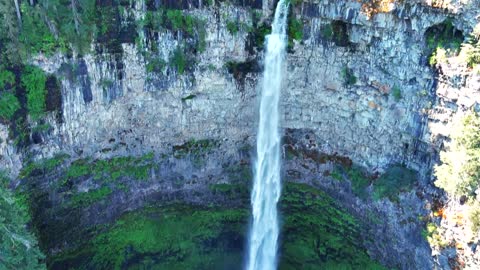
<point x="438" y="56"/>
<point x="459" y="172"/>
<point x="474" y="217"/>
<point x="396" y="93"/>
<point x="173" y="19"/>
<point x="443" y="40"/>
<point x="6" y="78"/>
<point x="395" y="180"/>
<point x="348" y="76"/>
<point x="194" y="147"/>
<point x="232" y="27"/>
<point x="52" y="25"/>
<point x="33" y="79"/>
<point x="179" y="60"/>
<point x="8" y="106"/>
<point x="471" y="50"/>
<point x="83" y="199"/>
<point x="258" y="34"/>
<point x="18" y="246"/>
<point x="35" y="35"/>
<point x="156" y="65"/>
<point x="189" y="97"/>
<point x="295" y="30"/>
<point x="432" y="235"/>
<point x="178" y="21"/>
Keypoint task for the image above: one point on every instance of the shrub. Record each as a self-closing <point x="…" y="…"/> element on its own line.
<point x="179" y="60"/>
<point x="396" y="92"/>
<point x="8" y="105"/>
<point x="18" y="246"/>
<point x="33" y="79"/>
<point x="232" y="27"/>
<point x="432" y="235"/>
<point x="155" y="65"/>
<point x="470" y="51"/>
<point x="443" y="40"/>
<point x="6" y="78"/>
<point x="474" y="217"/>
<point x="295" y="29"/>
<point x="438" y="56"/>
<point x="348" y="76"/>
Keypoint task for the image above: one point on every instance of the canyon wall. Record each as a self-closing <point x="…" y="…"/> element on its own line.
<point x="358" y="84"/>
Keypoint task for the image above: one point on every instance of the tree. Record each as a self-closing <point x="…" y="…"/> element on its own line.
<point x="18" y="247"/>
<point x="19" y="15"/>
<point x="459" y="172"/>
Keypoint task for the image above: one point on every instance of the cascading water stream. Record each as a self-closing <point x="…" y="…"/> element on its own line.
<point x="267" y="186"/>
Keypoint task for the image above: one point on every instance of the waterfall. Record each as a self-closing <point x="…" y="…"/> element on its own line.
<point x="267" y="186"/>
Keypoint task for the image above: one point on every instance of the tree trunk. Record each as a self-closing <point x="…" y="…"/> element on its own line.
<point x="75" y="16"/>
<point x="19" y="15"/>
<point x="32" y="3"/>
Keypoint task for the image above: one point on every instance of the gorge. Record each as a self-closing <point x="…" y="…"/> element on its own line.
<point x="128" y="133"/>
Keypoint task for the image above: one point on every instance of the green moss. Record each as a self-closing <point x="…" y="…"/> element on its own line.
<point x="232" y="191"/>
<point x="162" y="238"/>
<point x="395" y="180"/>
<point x="359" y="180"/>
<point x="316" y="234"/>
<point x="111" y="169"/>
<point x="44" y="165"/>
<point x="337" y="175"/>
<point x="83" y="199"/>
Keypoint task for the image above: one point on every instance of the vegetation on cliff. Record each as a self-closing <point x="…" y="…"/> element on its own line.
<point x="317" y="232"/>
<point x="18" y="246"/>
<point x="459" y="171"/>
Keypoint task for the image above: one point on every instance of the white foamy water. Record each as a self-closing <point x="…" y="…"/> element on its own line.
<point x="263" y="239"/>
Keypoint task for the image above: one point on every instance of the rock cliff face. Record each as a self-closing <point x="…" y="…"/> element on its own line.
<point x="358" y="84"/>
